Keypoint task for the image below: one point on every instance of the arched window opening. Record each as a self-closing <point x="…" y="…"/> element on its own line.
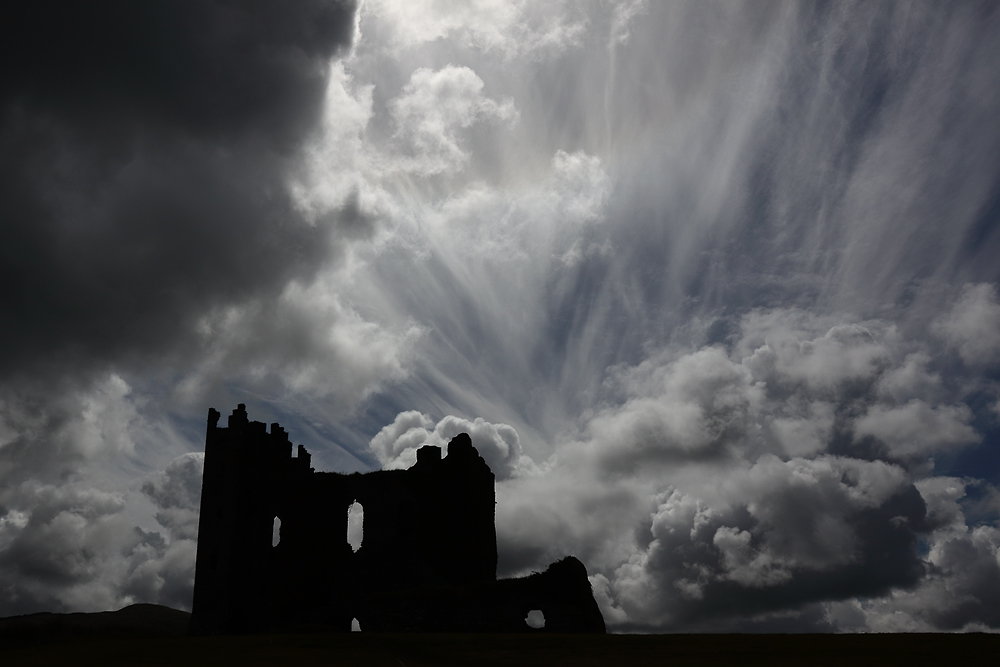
<point x="355" y="626"/>
<point x="535" y="619"/>
<point x="275" y="532"/>
<point x="355" y="525"/>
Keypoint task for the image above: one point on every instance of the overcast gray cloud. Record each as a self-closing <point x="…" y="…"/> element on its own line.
<point x="144" y="156"/>
<point x="711" y="285"/>
<point x="146" y="150"/>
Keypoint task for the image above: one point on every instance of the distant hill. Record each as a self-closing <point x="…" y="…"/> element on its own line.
<point x="134" y="619"/>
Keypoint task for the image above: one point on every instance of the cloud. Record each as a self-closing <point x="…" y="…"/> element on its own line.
<point x="304" y="341"/>
<point x="433" y="106"/>
<point x="396" y="445"/>
<point x="177" y="493"/>
<point x="72" y="547"/>
<point x="973" y="325"/>
<point x="510" y="27"/>
<point x="690" y="408"/>
<point x="159" y="573"/>
<point x="624" y="14"/>
<point x="145" y="160"/>
<point x="727" y="489"/>
<point x="845" y="354"/>
<point x="960" y="591"/>
<point x="408" y="431"/>
<point x="52" y="434"/>
<point x="917" y="428"/>
<point x="801" y="530"/>
<point x="336" y="160"/>
<point x="161" y="569"/>
<point x="57" y="542"/>
<point x="807" y="433"/>
<point x="792" y="393"/>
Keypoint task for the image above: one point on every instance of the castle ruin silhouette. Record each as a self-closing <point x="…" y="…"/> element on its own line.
<point x="427" y="561"/>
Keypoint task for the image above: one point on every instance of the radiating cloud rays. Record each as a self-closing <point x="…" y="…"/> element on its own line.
<point x="709" y="282"/>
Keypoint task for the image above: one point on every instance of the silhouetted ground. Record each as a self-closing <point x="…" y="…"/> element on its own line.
<point x="151" y="635"/>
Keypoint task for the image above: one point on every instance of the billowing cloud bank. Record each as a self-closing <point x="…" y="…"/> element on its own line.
<point x="712" y="287"/>
<point x="747" y="489"/>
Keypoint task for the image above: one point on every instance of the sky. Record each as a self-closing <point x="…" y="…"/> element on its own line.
<point x="712" y="285"/>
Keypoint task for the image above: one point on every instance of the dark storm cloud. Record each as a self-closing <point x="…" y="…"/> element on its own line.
<point x="789" y="468"/>
<point x="72" y="548"/>
<point x="52" y="555"/>
<point x="145" y="148"/>
<point x="177" y="493"/>
<point x="145" y="154"/>
<point x="162" y="569"/>
<point x="791" y="544"/>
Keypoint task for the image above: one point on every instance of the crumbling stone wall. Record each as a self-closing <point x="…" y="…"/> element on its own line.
<point x="427" y="562"/>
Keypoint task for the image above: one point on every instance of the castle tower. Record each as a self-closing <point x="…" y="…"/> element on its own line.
<point x="245" y="468"/>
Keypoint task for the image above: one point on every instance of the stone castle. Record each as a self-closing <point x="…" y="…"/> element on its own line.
<point x="427" y="561"/>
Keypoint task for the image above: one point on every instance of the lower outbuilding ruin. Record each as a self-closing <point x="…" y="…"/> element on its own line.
<point x="427" y="561"/>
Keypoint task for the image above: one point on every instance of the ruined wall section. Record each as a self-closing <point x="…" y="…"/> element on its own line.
<point x="245" y="470"/>
<point x="427" y="561"/>
<point x="430" y="525"/>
